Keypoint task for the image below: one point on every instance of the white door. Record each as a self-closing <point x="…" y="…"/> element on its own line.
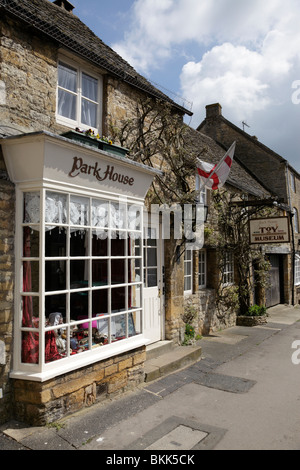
<point x="153" y="283"/>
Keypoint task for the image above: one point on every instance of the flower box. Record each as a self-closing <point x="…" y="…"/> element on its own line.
<point x="96" y="143"/>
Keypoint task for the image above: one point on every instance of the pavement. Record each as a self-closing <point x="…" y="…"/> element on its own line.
<point x="243" y="394"/>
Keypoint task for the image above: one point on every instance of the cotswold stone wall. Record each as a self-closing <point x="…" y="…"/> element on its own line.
<point x="7" y="211"/>
<point x="27" y="80"/>
<point x="208" y="319"/>
<point x="39" y="403"/>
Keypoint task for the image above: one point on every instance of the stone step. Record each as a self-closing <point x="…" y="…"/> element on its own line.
<point x="170" y="361"/>
<point x="157" y="349"/>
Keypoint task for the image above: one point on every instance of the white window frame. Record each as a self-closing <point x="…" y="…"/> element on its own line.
<point x="188" y="276"/>
<point x="42" y="371"/>
<point x="228" y="269"/>
<point x="202" y="269"/>
<point x="202" y="196"/>
<point x="81" y="69"/>
<point x="293" y="182"/>
<point x="297" y="270"/>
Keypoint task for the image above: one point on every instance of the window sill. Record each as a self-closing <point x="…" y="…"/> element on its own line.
<point x="64" y="366"/>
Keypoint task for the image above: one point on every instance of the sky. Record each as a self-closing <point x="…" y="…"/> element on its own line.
<point x="243" y="54"/>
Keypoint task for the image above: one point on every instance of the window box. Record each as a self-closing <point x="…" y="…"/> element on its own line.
<point x="96" y="143"/>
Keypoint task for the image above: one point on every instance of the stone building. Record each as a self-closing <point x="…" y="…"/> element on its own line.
<point x="87" y="281"/>
<point x="281" y="180"/>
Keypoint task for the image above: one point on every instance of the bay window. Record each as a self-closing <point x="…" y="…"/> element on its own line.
<point x="80" y="284"/>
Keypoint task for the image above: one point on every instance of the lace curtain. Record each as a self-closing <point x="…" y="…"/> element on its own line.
<point x="103" y="213"/>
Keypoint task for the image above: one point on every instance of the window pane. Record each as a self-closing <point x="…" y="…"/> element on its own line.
<point x="134" y="270"/>
<point x="99" y="244"/>
<point x="55" y="272"/>
<point x="31" y="208"/>
<point x="100" y="213"/>
<point x="152" y="277"/>
<point x="100" y="272"/>
<point x="117" y="246"/>
<point x="151" y="257"/>
<point x="79" y="305"/>
<point x="67" y="104"/>
<point x="89" y="87"/>
<point x="30" y="347"/>
<point x="55" y="208"/>
<point x="55" y="242"/>
<point x="79" y="273"/>
<point x="118" y="299"/>
<point x="79" y="243"/>
<point x="100" y="302"/>
<point x="187" y="284"/>
<point x="118" y="271"/>
<point x="31" y="243"/>
<point x="67" y="77"/>
<point x="79" y="210"/>
<point x="89" y="113"/>
<point x="30" y="311"/>
<point x="31" y="276"/>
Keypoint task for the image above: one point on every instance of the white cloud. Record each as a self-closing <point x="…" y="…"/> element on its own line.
<point x="251" y="59"/>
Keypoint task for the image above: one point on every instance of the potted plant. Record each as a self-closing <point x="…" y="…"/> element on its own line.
<point x="256" y="315"/>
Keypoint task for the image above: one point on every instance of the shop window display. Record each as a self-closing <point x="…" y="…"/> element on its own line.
<point x="81" y="270"/>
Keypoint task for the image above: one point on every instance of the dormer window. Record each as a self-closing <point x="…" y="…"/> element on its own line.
<point x="78" y="97"/>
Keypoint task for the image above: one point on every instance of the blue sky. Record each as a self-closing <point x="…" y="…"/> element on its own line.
<point x="244" y="54"/>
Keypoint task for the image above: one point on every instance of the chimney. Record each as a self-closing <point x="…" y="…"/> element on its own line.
<point x="65" y="4"/>
<point x="213" y="110"/>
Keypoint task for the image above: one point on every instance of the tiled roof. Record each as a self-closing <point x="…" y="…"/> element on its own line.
<point x="70" y="32"/>
<point x="240" y="177"/>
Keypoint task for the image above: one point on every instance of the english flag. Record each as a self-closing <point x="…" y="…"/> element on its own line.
<point x="215" y="176"/>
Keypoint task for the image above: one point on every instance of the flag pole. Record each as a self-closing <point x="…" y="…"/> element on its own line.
<point x="217" y="167"/>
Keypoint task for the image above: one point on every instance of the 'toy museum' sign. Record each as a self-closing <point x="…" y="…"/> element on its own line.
<point x="270" y="230"/>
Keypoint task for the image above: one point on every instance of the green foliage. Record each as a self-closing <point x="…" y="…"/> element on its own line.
<point x="256" y="311"/>
<point x="190" y="335"/>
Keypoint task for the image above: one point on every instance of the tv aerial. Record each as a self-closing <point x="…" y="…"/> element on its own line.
<point x="244" y="124"/>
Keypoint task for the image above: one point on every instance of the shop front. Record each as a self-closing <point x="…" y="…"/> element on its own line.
<point x="79" y="290"/>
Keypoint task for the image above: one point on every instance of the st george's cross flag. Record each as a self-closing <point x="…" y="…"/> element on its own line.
<point x="215" y="176"/>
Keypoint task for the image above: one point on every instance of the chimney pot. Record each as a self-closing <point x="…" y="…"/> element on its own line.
<point x="213" y="110"/>
<point x="65" y="4"/>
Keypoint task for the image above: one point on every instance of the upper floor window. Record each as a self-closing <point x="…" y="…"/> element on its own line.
<point x="78" y="97"/>
<point x="293" y="182"/>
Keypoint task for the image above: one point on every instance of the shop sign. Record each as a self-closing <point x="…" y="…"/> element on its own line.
<point x="269" y="230"/>
<point x="109" y="173"/>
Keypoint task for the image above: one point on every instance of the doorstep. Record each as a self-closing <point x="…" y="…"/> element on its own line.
<point x="164" y="358"/>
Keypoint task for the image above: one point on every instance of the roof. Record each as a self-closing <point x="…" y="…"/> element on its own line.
<point x="252" y="139"/>
<point x="70" y="32"/>
<point x="240" y="177"/>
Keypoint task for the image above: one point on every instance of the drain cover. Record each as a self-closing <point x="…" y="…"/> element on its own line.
<point x="181" y="438"/>
<point x="177" y="433"/>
